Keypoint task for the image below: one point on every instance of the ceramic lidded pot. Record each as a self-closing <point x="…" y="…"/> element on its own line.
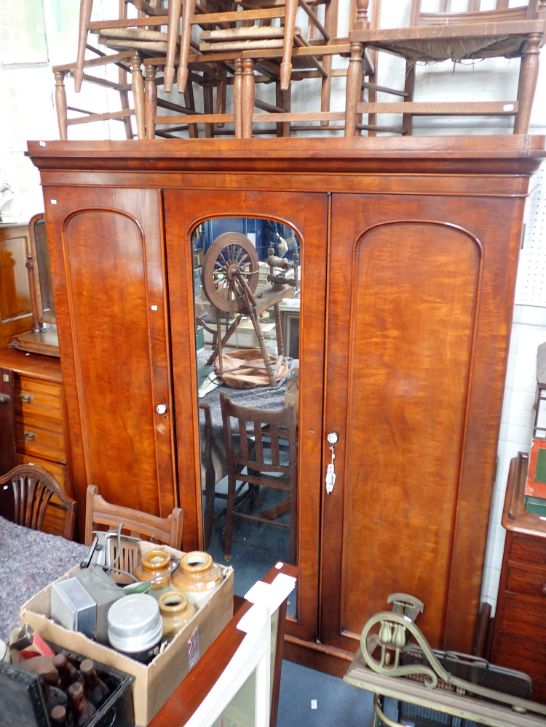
<point x="197" y="577"/>
<point x="176" y="611"/>
<point x="134" y="626"/>
<point x="155" y="566"/>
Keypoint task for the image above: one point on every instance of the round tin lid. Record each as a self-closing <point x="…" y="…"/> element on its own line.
<point x="134" y="623"/>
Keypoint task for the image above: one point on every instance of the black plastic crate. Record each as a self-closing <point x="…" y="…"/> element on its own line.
<point x="118" y="708"/>
<point x="21" y="699"/>
<point x="22" y="702"/>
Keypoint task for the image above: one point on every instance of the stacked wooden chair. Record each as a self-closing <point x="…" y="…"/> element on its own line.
<point x="241" y="46"/>
<point x="450" y="34"/>
<point x="152" y="29"/>
<point x="251" y="44"/>
<point x="208" y="66"/>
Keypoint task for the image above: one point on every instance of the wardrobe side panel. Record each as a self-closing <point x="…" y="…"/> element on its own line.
<point x="107" y="261"/>
<point x="421" y="293"/>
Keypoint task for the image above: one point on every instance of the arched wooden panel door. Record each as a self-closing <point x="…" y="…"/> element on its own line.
<point x="414" y="384"/>
<point x="306" y="216"/>
<point x="109" y="280"/>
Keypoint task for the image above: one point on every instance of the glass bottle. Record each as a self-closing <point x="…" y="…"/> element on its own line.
<point x="53" y="695"/>
<point x="95" y="689"/>
<point x="58" y="716"/>
<point x="82" y="709"/>
<point x="68" y="674"/>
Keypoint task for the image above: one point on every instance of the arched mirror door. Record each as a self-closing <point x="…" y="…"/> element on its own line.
<point x="247" y="281"/>
<point x="247" y="277"/>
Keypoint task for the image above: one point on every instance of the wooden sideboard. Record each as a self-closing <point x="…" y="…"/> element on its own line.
<point x="409" y="261"/>
<point x="38" y="415"/>
<point x="15" y="304"/>
<point x="519" y="633"/>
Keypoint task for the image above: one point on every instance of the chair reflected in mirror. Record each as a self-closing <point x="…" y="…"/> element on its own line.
<point x="261" y="453"/>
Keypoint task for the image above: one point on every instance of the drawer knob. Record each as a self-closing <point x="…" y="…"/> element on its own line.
<point x="543" y="590"/>
<point x="25" y="398"/>
<point x="30" y="436"/>
<point x="4" y="399"/>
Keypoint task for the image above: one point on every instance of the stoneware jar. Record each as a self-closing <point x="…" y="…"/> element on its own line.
<point x="134" y="626"/>
<point x="176" y="611"/>
<point x="155" y="566"/>
<point x="197" y="577"/>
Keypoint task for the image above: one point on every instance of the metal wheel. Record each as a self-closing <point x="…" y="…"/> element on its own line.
<point x="230" y="256"/>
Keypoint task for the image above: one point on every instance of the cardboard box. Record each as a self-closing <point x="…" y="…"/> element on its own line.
<point x="154" y="682"/>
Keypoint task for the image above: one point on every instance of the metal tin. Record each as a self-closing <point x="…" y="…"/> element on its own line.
<point x="134" y="626"/>
<point x="73" y="607"/>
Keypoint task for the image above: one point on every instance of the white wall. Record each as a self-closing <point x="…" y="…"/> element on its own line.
<point x="26" y="88"/>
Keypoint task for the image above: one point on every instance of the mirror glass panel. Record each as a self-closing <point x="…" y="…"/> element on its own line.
<point x="247" y="281"/>
<point x="43" y="271"/>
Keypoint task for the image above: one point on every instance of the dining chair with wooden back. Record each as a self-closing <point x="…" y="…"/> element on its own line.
<point x="255" y="40"/>
<point x="103" y="515"/>
<point x="475" y="33"/>
<point x="27" y="491"/>
<point x="261" y="452"/>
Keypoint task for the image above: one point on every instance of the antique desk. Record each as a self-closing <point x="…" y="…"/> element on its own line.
<point x="33" y="421"/>
<point x="519" y="636"/>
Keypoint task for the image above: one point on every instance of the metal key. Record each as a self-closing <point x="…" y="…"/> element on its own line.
<point x="330" y="469"/>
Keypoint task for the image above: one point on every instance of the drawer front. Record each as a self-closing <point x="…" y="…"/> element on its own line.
<point x="39" y="441"/>
<point x="512" y="652"/>
<point x="527" y="549"/>
<point x="528" y="582"/>
<point x="39" y="399"/>
<point x="526" y="619"/>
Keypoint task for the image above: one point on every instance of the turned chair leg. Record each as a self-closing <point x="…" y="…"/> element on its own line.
<point x="86" y="8"/>
<point x="150" y="102"/>
<point x="527" y="84"/>
<point x="172" y="36"/>
<point x="137" y="83"/>
<point x="248" y="97"/>
<point x="237" y="97"/>
<point x="354" y="86"/>
<point x="291" y="8"/>
<point x="61" y="107"/>
<point x="185" y="41"/>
